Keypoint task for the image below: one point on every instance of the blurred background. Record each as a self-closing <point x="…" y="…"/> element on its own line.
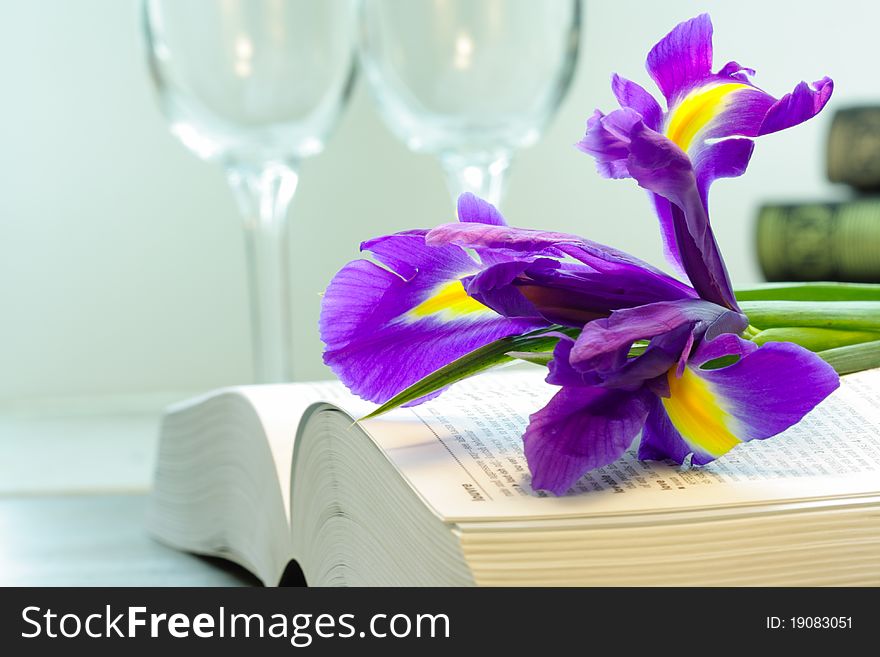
<point x="122" y="269"/>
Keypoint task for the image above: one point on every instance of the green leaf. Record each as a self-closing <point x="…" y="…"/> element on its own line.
<point x="544" y="357"/>
<point x="638" y="348"/>
<point x="811" y="292"/>
<point x="536" y="358"/>
<point x="845" y="315"/>
<point x="479" y="360"/>
<point x="718" y="363"/>
<point x="815" y="339"/>
<point x="853" y="358"/>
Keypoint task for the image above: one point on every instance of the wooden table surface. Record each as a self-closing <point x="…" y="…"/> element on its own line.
<point x="73" y="490"/>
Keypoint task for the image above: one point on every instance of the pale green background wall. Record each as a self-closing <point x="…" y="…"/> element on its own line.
<point x="121" y="265"/>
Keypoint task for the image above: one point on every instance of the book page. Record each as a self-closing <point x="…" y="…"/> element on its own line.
<point x="462" y="452"/>
<point x="280" y="408"/>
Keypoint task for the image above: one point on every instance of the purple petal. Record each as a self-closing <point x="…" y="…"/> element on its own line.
<point x="660" y="439"/>
<point x="725" y="344"/>
<point x="631" y="95"/>
<point x="738" y="113"/>
<point x="685" y="354"/>
<point x="724" y="106"/>
<point x="683" y="57"/>
<point x="568" y="293"/>
<point x="708" y="412"/>
<point x="560" y="371"/>
<point x="800" y="105"/>
<point x="386" y="328"/>
<point x="735" y="71"/>
<point x="662" y="353"/>
<point x="772" y="388"/>
<point x="660" y="166"/>
<point x="473" y="209"/>
<point x="385" y="362"/>
<point x="663" y="207"/>
<point x="520" y="243"/>
<point x="720" y="151"/>
<point x="607" y="140"/>
<point x="580" y="429"/>
<point x="495" y="288"/>
<point x="405" y="254"/>
<point x="742" y="110"/>
<point x="600" y="342"/>
<point x="724" y="159"/>
<point x="572" y="294"/>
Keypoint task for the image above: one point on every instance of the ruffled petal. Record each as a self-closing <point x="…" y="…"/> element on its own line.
<point x="800" y="105"/>
<point x="607" y="139"/>
<point x="386" y="327"/>
<point x="682" y="58"/>
<point x="580" y="429"/>
<point x="635" y="97"/>
<point x="604" y="343"/>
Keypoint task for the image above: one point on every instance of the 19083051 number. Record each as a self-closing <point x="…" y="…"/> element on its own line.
<point x="821" y="622"/>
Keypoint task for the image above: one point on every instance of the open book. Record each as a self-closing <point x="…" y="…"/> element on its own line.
<point x="439" y="494"/>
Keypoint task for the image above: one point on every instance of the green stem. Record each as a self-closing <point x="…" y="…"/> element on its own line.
<point x="751" y="332"/>
<point x="841" y="315"/>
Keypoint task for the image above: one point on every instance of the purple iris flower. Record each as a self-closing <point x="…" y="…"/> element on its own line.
<point x="387" y="325"/>
<point x="705" y="133"/>
<point x="696" y="389"/>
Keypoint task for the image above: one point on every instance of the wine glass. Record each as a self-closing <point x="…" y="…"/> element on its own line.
<point x="469" y="81"/>
<point x="256" y="86"/>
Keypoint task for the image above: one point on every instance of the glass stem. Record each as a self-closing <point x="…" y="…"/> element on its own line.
<point x="264" y="194"/>
<point x="482" y="174"/>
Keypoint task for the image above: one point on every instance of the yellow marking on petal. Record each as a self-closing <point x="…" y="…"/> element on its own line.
<point x="696" y="110"/>
<point x="694" y="409"/>
<point x="449" y="299"/>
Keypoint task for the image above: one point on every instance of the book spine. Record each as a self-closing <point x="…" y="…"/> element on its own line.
<point x="853" y="150"/>
<point x="820" y="241"/>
